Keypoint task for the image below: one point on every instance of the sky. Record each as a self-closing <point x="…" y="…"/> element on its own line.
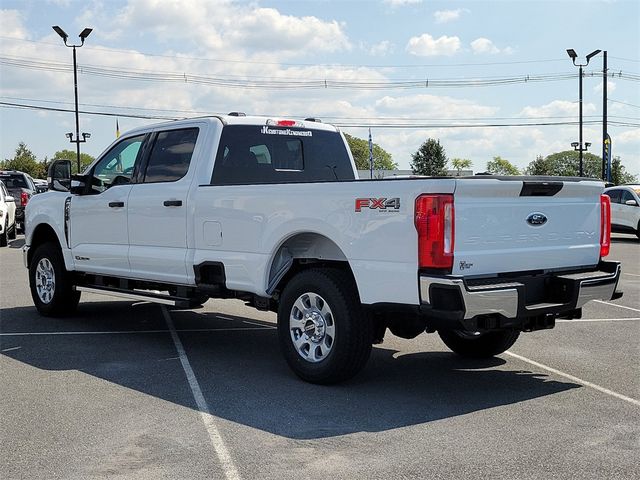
<point x="485" y="78"/>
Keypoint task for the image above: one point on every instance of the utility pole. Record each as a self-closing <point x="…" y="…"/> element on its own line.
<point x="604" y="118"/>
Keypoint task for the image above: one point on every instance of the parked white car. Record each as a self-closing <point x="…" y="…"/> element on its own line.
<point x="7" y="216"/>
<point x="625" y="208"/>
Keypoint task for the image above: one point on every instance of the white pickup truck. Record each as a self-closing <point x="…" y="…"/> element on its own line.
<point x="271" y="211"/>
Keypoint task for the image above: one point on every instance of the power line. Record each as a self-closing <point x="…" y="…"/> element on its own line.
<point x="287" y="83"/>
<point x="376" y="124"/>
<point x="326" y="117"/>
<point x="624" y="103"/>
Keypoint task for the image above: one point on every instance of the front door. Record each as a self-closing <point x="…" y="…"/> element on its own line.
<point x="98" y="227"/>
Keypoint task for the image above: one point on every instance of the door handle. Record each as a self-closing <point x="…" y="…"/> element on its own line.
<point x="173" y="203"/>
<point x="116" y="204"/>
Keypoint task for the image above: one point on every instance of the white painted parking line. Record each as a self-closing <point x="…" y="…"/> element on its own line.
<point x="575" y="379"/>
<point x="122" y="332"/>
<point x="616" y="305"/>
<point x="11" y="349"/>
<point x="270" y="327"/>
<point x="632" y="274"/>
<point x="600" y="320"/>
<point x="226" y="462"/>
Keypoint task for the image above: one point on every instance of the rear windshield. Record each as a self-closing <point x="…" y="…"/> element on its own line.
<point x="14" y="180"/>
<point x="262" y="154"/>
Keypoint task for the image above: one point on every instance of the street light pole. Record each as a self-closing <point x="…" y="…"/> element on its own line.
<point x="573" y="55"/>
<point x="83" y="35"/>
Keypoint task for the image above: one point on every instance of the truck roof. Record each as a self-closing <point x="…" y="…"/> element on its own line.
<point x="241" y="119"/>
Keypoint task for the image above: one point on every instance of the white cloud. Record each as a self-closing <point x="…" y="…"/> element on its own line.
<point x="433" y="106"/>
<point x="557" y="108"/>
<point x="445" y="16"/>
<point x="611" y="87"/>
<point x="426" y="46"/>
<point x="485" y="46"/>
<point x="402" y="3"/>
<point x="12" y="26"/>
<point x="627" y="137"/>
<point x="226" y="27"/>
<point x="380" y="49"/>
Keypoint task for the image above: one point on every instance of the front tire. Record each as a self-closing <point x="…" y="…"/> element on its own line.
<point x="50" y="283"/>
<point x="324" y="333"/>
<point x="479" y="345"/>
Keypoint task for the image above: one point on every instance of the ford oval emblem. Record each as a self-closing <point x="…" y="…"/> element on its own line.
<point x="537" y="219"/>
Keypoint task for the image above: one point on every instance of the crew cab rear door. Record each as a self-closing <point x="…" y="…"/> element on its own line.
<point x="158" y="206"/>
<point x="525" y="224"/>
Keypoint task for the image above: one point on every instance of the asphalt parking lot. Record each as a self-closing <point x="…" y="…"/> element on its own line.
<point x="126" y="390"/>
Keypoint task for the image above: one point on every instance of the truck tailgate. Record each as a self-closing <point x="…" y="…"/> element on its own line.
<point x="516" y="225"/>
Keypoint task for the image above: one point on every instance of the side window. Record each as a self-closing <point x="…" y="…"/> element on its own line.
<point x="626" y="196"/>
<point x="171" y="155"/>
<point x="116" y="167"/>
<point x="614" y="195"/>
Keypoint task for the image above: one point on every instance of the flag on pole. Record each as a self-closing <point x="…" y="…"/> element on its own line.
<point x="607" y="160"/>
<point x="117" y="129"/>
<point x="370" y="154"/>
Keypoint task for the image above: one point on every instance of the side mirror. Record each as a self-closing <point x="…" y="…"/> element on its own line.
<point x="59" y="175"/>
<point x="9" y="198"/>
<point x="631" y="203"/>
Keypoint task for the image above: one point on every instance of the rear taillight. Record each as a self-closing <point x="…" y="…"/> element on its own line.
<point x="605" y="225"/>
<point x="24" y="199"/>
<point x="434" y="219"/>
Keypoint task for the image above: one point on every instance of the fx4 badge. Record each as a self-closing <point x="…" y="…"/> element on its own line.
<point x="382" y="204"/>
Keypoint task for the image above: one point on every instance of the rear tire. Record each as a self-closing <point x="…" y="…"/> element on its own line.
<point x="51" y="284"/>
<point x="479" y="345"/>
<point x="325" y="335"/>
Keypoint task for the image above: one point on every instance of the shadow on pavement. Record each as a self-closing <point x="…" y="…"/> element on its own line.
<point x="629" y="239"/>
<point x="245" y="380"/>
<point x="17" y="243"/>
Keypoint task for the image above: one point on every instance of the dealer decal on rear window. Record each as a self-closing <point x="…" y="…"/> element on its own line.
<point x="286" y="131"/>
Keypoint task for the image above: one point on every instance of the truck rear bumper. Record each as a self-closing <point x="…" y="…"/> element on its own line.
<point x="500" y="303"/>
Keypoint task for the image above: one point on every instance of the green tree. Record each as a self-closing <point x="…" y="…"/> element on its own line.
<point x="382" y="159"/>
<point x="619" y="174"/>
<point x="566" y="164"/>
<point x="460" y="164"/>
<point x="24" y="160"/>
<point x="85" y="159"/>
<point x="430" y="159"/>
<point x="502" y="166"/>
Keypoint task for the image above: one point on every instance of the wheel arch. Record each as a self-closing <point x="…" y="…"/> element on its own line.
<point x="300" y="251"/>
<point x="44" y="233"/>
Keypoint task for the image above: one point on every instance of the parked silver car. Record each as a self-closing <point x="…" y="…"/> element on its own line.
<point x="625" y="208"/>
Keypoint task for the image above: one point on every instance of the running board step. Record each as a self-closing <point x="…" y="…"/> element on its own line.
<point x="180" y="302"/>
